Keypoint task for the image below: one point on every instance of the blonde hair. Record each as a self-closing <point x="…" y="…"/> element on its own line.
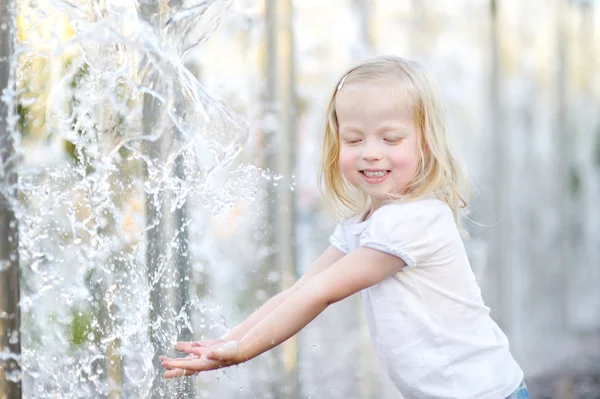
<point x="439" y="170"/>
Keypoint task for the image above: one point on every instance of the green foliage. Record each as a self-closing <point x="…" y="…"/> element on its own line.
<point x="201" y="281"/>
<point x="81" y="327"/>
<point x="574" y="181"/>
<point x="124" y="152"/>
<point x="81" y="72"/>
<point x="597" y="147"/>
<point x="70" y="149"/>
<point x="23" y="113"/>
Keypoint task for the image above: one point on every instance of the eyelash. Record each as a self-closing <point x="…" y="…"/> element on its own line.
<point x="389" y="141"/>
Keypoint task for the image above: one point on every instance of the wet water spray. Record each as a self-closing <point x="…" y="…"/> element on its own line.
<point x="108" y="161"/>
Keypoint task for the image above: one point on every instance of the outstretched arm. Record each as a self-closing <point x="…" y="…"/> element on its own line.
<point x="354" y="272"/>
<point x="326" y="259"/>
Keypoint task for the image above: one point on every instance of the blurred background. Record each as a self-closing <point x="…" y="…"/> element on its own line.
<point x="159" y="182"/>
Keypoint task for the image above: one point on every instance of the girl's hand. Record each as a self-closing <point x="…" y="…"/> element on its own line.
<point x="218" y="356"/>
<point x="198" y="348"/>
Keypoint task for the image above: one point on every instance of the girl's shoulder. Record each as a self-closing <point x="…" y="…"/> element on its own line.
<point x="403" y="212"/>
<point x="423" y="213"/>
<point x="411" y="230"/>
<point x="423" y="208"/>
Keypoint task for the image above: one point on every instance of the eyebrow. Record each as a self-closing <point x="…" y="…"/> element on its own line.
<point x="387" y="128"/>
<point x="382" y="129"/>
<point x="349" y="129"/>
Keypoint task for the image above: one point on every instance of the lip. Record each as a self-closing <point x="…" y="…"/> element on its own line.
<point x="374" y="179"/>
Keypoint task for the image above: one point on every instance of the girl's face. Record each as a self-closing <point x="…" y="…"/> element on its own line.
<point x="379" y="150"/>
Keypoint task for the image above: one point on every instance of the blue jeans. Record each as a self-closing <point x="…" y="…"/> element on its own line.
<point x="520" y="393"/>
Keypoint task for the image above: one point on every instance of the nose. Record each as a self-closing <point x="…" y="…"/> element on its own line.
<point x="371" y="153"/>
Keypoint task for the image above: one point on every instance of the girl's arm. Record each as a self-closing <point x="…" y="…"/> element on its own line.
<point x="327" y="258"/>
<point x="352" y="273"/>
<point x="356" y="271"/>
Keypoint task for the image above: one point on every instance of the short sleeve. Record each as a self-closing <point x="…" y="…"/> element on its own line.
<point x="411" y="231"/>
<point x="338" y="239"/>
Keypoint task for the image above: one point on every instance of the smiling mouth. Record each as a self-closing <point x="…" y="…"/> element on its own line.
<point x="373" y="173"/>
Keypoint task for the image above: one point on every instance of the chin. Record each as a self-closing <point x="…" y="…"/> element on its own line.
<point x="379" y="198"/>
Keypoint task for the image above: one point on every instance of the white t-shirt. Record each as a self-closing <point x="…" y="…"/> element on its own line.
<point x="429" y="325"/>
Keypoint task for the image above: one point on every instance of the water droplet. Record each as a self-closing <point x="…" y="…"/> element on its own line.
<point x="69" y="298"/>
<point x="4" y="264"/>
<point x="13" y="376"/>
<point x="14" y="338"/>
<point x="26" y="304"/>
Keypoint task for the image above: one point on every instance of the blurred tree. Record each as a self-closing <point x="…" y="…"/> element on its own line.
<point x="280" y="109"/>
<point x="10" y="316"/>
<point x="161" y="225"/>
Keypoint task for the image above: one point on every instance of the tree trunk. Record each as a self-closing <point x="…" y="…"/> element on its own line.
<point x="182" y="277"/>
<point x="363" y="14"/>
<point x="281" y="105"/>
<point x="10" y="316"/>
<point x="497" y="177"/>
<point x="164" y="303"/>
<point x="155" y="234"/>
<point x="155" y="239"/>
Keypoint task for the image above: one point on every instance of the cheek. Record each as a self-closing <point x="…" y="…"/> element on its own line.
<point x="407" y="160"/>
<point x="346" y="161"/>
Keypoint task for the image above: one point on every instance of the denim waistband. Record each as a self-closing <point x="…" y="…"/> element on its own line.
<point x="521" y="392"/>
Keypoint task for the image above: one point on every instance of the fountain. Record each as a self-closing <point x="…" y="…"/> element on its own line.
<point x="110" y="164"/>
<point x="143" y="220"/>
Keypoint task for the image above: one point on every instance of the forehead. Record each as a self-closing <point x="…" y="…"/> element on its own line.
<point x="372" y="102"/>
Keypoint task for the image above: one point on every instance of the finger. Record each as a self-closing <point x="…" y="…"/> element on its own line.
<point x="167" y="362"/>
<point x="170" y="359"/>
<point x="164" y="361"/>
<point x="166" y="366"/>
<point x="182" y="346"/>
<point x="174" y="373"/>
<point x="192" y="364"/>
<point x="195" y="365"/>
<point x="197" y="351"/>
<point x="206" y="342"/>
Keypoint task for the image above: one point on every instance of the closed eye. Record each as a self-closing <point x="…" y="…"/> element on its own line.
<point x="352" y="141"/>
<point x="393" y="140"/>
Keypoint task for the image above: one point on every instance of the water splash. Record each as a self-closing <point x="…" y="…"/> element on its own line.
<point x="124" y="140"/>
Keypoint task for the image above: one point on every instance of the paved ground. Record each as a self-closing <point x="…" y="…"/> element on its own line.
<point x="580" y="381"/>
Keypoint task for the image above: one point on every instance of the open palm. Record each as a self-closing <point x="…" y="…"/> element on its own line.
<point x="202" y="357"/>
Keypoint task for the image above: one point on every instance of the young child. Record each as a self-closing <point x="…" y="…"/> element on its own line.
<point x="386" y="158"/>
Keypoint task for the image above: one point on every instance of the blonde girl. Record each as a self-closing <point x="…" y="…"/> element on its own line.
<point x="388" y="167"/>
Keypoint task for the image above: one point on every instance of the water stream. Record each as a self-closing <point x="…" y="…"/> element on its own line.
<point x="125" y="153"/>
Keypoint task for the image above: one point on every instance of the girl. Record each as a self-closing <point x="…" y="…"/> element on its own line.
<point x="386" y="158"/>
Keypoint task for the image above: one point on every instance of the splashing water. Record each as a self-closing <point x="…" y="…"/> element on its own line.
<point x="110" y="161"/>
